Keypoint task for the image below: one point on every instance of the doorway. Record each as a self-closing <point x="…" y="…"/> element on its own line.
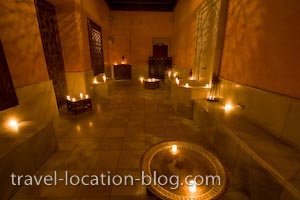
<point x="47" y="19"/>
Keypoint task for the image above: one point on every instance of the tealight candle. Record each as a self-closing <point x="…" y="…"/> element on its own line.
<point x="81" y="95"/>
<point x="228" y="107"/>
<point x="206" y="85"/>
<point x="13" y="124"/>
<point x="86" y="96"/>
<point x="174" y="148"/>
<point x="186" y="85"/>
<point x="192" y="186"/>
<point x="73" y="99"/>
<point x="177" y="81"/>
<point x="68" y="97"/>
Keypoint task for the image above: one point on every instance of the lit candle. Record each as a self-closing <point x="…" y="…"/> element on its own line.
<point x="153" y="79"/>
<point x="228" y="107"/>
<point x="13" y="124"/>
<point x="192" y="186"/>
<point x="104" y="78"/>
<point x="68" y="97"/>
<point x="174" y="148"/>
<point x="115" y="63"/>
<point x="174" y="74"/>
<point x="169" y="74"/>
<point x="141" y="79"/>
<point x="81" y="95"/>
<point x="95" y="81"/>
<point x="206" y="85"/>
<point x="191" y="78"/>
<point x="86" y="96"/>
<point x="186" y="85"/>
<point x="73" y="99"/>
<point x="177" y="81"/>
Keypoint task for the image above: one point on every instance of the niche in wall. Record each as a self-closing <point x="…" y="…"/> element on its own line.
<point x="8" y="97"/>
<point x="96" y="47"/>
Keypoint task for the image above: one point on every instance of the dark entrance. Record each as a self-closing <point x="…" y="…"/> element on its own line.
<point x="160" y="62"/>
<point x="52" y="48"/>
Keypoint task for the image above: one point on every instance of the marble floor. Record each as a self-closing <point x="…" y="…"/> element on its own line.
<point x="112" y="138"/>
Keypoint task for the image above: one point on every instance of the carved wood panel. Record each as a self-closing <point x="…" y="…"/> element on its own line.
<point x="8" y="97"/>
<point x="52" y="47"/>
<point x="96" y="47"/>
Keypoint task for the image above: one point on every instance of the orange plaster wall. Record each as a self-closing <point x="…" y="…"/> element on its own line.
<point x="20" y="36"/>
<point x="72" y="22"/>
<point x="262" y="45"/>
<point x="132" y="34"/>
<point x="185" y="33"/>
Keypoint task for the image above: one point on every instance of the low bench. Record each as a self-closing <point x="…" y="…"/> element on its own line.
<point x="23" y="151"/>
<point x="267" y="167"/>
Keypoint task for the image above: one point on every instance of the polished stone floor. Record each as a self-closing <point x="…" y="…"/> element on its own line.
<point x="112" y="138"/>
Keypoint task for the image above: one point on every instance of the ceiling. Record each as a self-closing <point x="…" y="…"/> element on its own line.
<point x="142" y="5"/>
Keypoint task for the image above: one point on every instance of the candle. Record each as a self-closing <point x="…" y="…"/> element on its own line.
<point x="13" y="124"/>
<point x="81" y="95"/>
<point x="177" y="81"/>
<point x="141" y="79"/>
<point x="169" y="74"/>
<point x="86" y="96"/>
<point x="68" y="97"/>
<point x="228" y="107"/>
<point x="95" y="81"/>
<point x="206" y="85"/>
<point x="174" y="148"/>
<point x="186" y="85"/>
<point x="104" y="78"/>
<point x="73" y="99"/>
<point x="192" y="186"/>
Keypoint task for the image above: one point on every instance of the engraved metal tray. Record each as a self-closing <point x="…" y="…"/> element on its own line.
<point x="186" y="159"/>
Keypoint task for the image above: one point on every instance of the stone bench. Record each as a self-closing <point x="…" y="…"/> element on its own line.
<point x="267" y="167"/>
<point x="23" y="151"/>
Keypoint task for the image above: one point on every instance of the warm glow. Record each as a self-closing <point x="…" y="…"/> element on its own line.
<point x="86" y="96"/>
<point x="122" y="62"/>
<point x="175" y="74"/>
<point x="186" y="85"/>
<point x="228" y="107"/>
<point x="211" y="98"/>
<point x="206" y="85"/>
<point x="13" y="124"/>
<point x="152" y="79"/>
<point x="192" y="186"/>
<point x="177" y="81"/>
<point x="81" y="95"/>
<point x="73" y="99"/>
<point x="174" y="148"/>
<point x="169" y="74"/>
<point x="104" y="78"/>
<point x="95" y="81"/>
<point x="68" y="97"/>
<point x="91" y="124"/>
<point x="191" y="78"/>
<point x="142" y="79"/>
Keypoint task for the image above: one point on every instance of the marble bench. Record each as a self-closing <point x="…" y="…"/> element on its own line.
<point x="267" y="167"/>
<point x="23" y="151"/>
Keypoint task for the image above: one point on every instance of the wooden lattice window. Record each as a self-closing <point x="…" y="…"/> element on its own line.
<point x="96" y="47"/>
